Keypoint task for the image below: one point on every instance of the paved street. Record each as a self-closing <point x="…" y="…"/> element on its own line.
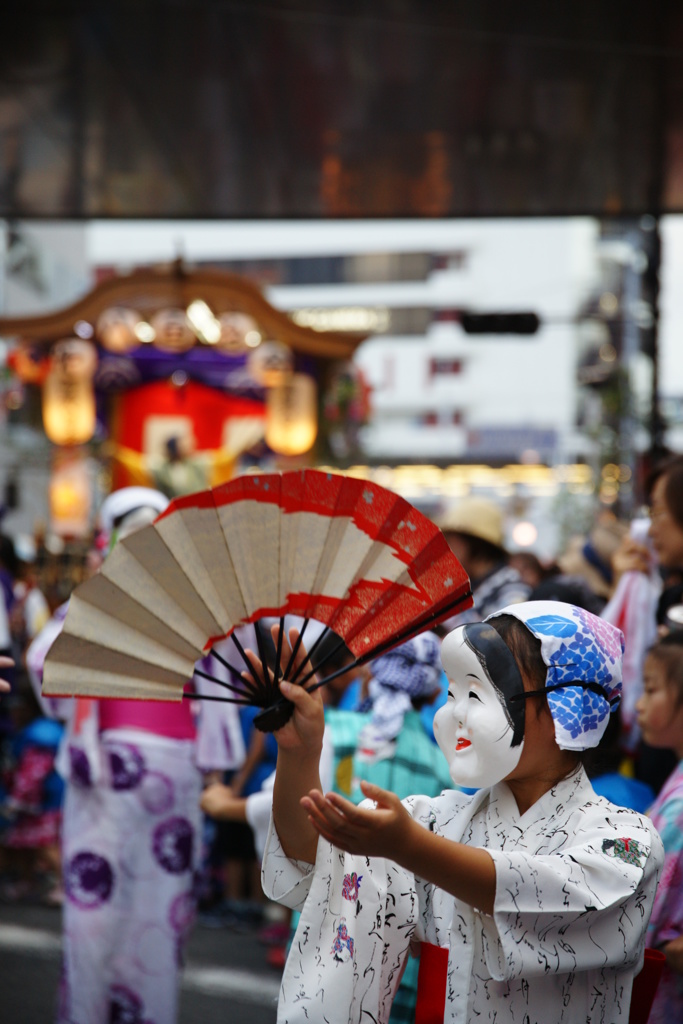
<point x="226" y="978"/>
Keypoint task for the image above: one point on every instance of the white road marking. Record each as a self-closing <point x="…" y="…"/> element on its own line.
<point x="17" y="939"/>
<point x="248" y="986"/>
<point x="226" y="981"/>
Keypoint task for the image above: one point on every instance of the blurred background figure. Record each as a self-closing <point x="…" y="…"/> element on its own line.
<point x="385" y="742"/>
<point x="31" y="796"/>
<point x="181" y="471"/>
<point x="182" y="468"/>
<point x="582" y="574"/>
<point x="31" y="791"/>
<point x="588" y="560"/>
<point x="660" y="714"/>
<point x="633" y="608"/>
<point x="234" y="862"/>
<point x="530" y="567"/>
<point x="549" y="583"/>
<point x="8" y="568"/>
<point x="648" y="570"/>
<point x="474" y="530"/>
<point x="30" y="610"/>
<point x="131" y="831"/>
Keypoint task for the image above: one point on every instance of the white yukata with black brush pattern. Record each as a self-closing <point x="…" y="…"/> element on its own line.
<point x="575" y="883"/>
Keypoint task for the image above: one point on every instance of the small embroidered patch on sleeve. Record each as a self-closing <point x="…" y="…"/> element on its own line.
<point x="342" y="949"/>
<point x="627" y="850"/>
<point x="351" y="885"/>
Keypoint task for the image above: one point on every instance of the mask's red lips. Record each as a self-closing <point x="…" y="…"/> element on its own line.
<point x="462" y="743"/>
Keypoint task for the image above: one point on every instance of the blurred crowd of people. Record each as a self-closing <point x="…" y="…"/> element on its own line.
<point x="133" y="817"/>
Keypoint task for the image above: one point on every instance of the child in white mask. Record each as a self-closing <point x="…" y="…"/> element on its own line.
<point x="540" y="890"/>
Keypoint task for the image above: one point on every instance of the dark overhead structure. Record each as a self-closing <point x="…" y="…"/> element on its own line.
<point x="312" y="108"/>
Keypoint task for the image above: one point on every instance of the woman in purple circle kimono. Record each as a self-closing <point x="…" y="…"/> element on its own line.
<point x="131" y="832"/>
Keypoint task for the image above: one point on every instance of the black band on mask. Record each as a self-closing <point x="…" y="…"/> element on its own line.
<point x="500" y="666"/>
<point x="613" y="702"/>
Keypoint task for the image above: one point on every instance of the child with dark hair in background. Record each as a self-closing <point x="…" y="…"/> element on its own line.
<point x="660" y="717"/>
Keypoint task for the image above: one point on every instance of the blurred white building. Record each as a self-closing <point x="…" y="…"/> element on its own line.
<point x="437" y="392"/>
<point x="446" y="403"/>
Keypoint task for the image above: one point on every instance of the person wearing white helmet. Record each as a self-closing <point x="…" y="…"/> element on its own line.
<point x="118" y="508"/>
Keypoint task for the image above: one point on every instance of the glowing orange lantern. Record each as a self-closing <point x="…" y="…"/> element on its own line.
<point x="70" y="496"/>
<point x="69" y="415"/>
<point x="292" y="415"/>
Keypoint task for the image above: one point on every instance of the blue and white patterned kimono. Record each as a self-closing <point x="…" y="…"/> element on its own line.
<point x="575" y="883"/>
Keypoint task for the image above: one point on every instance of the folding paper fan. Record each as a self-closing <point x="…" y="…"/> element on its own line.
<point x="349" y="554"/>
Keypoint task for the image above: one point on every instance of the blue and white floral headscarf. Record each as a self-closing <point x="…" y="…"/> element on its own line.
<point x="583" y="654"/>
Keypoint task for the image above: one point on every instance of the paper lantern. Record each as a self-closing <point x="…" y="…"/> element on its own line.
<point x="116" y="329"/>
<point x="68" y="397"/>
<point x="271" y="363"/>
<point x="292" y="415"/>
<point x="172" y="333"/>
<point x="70" y="496"/>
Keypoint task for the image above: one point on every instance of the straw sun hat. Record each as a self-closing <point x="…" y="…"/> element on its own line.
<point x="475" y="517"/>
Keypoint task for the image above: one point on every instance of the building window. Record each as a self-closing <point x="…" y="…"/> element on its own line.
<point x="441" y="419"/>
<point x="444" y="366"/>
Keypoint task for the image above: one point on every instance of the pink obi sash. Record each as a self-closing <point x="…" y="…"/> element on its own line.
<point x="172" y="719"/>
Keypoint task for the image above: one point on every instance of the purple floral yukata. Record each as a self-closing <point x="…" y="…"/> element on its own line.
<point x="130" y="853"/>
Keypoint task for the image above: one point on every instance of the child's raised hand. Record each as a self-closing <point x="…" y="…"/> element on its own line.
<point x="304" y="730"/>
<point x="382" y="831"/>
<point x="306" y="726"/>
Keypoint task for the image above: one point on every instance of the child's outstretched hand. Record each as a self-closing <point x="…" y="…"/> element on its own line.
<point x="382" y="831"/>
<point x="5" y="662"/>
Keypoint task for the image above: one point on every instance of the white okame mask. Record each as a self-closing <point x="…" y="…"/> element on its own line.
<point x="478" y="731"/>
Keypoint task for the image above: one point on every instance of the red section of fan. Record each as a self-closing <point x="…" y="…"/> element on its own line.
<point x="369" y="609"/>
<point x="345" y="552"/>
